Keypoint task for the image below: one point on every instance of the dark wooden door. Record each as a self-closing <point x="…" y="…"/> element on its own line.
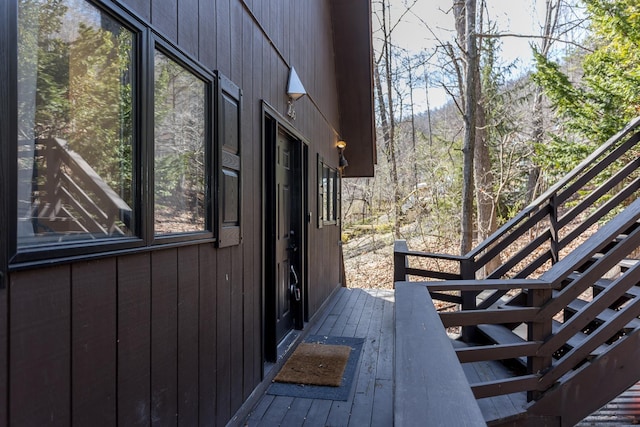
<point x="286" y="245"/>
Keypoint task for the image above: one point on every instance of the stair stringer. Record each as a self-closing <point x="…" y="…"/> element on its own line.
<point x="592" y="386"/>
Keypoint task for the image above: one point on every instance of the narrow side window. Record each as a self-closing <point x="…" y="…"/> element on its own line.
<point x="180" y="110"/>
<point x="328" y="194"/>
<point x="321" y="193"/>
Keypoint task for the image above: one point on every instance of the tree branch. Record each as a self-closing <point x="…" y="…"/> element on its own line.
<point x="530" y="36"/>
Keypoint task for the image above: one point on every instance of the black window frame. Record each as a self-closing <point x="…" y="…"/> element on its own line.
<point x="146" y="40"/>
<point x="329" y="198"/>
<point x="158" y="43"/>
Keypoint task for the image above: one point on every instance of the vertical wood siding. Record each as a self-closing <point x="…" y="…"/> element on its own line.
<point x="164" y="336"/>
<point x="207" y="376"/>
<point x="188" y="26"/>
<point x="174" y="336"/>
<point x="134" y="340"/>
<point x="188" y="336"/>
<point x="223" y="327"/>
<point x="40" y="347"/>
<point x="93" y="342"/>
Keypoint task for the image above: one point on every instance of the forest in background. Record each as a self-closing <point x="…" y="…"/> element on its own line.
<point x="447" y="177"/>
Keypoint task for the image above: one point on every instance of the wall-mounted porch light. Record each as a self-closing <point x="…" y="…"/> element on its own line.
<point x="342" y="162"/>
<point x="295" y="91"/>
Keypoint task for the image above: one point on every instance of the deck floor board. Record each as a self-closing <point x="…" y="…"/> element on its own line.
<point x="360" y="313"/>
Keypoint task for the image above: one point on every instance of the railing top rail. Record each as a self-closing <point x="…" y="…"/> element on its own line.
<point x="430" y="255"/>
<point x="632" y="125"/>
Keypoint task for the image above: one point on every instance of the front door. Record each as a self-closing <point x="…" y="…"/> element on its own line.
<point x="286" y="245"/>
<point x="285" y="236"/>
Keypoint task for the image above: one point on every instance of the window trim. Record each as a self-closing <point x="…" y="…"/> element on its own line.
<point x="8" y="132"/>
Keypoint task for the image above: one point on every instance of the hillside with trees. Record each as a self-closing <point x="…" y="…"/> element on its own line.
<point x="447" y="177"/>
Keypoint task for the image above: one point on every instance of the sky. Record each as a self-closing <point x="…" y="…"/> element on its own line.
<point x="511" y="16"/>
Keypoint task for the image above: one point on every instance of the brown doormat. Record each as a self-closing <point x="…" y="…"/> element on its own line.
<point x="315" y="364"/>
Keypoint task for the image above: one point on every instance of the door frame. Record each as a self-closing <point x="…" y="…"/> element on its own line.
<point x="272" y="124"/>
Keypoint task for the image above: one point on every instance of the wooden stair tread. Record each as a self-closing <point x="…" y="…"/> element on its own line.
<point x="602" y="284"/>
<point x="502" y="335"/>
<point x="578" y="304"/>
<point x="624" y="264"/>
<point x="628" y="263"/>
<point x="577" y="339"/>
<point x="632" y="292"/>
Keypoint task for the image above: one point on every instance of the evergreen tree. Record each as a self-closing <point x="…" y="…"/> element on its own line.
<point x="608" y="94"/>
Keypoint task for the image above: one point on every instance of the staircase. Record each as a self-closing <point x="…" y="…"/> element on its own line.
<point x="562" y="310"/>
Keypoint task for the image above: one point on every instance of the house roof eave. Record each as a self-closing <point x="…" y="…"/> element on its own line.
<point x="353" y="46"/>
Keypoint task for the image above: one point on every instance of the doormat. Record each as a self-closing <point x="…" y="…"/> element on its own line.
<point x="315" y="364"/>
<point x="327" y="392"/>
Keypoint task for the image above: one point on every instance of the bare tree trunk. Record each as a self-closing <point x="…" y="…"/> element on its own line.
<point x="413" y="125"/>
<point x="483" y="174"/>
<point x="466" y="13"/>
<point x="552" y="13"/>
<point x="390" y="142"/>
<point x="384" y="120"/>
<point x="387" y="123"/>
<point x="426" y="89"/>
<point x="484" y="184"/>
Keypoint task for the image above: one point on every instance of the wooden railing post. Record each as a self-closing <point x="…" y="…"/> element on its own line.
<point x="469" y="302"/>
<point x="400" y="261"/>
<point x="553" y="228"/>
<point x="538" y="331"/>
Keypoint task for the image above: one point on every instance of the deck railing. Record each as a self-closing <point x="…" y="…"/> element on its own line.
<point x="543" y="321"/>
<point x="555" y="220"/>
<point x="549" y="295"/>
<point x="551" y="225"/>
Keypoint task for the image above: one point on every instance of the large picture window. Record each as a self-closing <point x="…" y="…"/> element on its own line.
<point x="75" y="124"/>
<point x="115" y="146"/>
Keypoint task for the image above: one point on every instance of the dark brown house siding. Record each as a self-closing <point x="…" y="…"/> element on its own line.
<point x="174" y="335"/>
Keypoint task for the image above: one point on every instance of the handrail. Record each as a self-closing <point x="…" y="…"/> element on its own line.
<point x="416" y="376"/>
<point x="633" y="123"/>
<point x="581" y="319"/>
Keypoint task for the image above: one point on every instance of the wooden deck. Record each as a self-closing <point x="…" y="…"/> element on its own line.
<point x="368" y="313"/>
<point x="361" y="313"/>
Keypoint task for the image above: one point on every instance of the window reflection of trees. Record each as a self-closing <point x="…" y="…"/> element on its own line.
<point x="179" y="148"/>
<point x="74" y="83"/>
